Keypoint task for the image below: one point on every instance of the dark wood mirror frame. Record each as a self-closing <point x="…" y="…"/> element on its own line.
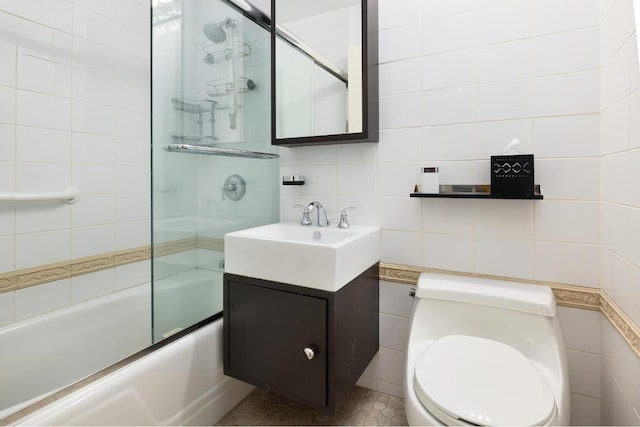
<point x="370" y="119"/>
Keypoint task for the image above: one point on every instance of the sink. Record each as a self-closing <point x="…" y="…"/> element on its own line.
<point x="325" y="258"/>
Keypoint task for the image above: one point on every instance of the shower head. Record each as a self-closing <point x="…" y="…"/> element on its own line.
<point x="215" y="31"/>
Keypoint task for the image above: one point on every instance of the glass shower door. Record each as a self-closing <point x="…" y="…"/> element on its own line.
<point x="213" y="168"/>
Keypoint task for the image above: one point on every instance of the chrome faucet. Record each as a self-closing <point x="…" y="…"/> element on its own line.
<point x="323" y="221"/>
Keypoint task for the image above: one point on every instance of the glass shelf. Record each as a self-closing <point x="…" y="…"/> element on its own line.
<point x="474" y="192"/>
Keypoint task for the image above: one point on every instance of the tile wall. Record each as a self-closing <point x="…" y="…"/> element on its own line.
<point x="74" y="111"/>
<point x="620" y="204"/>
<point x="458" y="82"/>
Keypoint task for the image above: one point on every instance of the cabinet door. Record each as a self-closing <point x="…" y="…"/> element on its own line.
<point x="269" y="331"/>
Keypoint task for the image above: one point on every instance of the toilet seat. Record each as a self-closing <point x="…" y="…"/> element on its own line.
<point x="472" y="380"/>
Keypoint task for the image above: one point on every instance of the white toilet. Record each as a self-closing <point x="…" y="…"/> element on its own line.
<point x="485" y="352"/>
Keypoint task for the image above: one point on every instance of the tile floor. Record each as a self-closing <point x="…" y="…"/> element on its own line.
<point x="362" y="407"/>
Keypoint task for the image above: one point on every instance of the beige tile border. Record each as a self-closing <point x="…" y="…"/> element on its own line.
<point x="566" y="295"/>
<point x="25" y="278"/>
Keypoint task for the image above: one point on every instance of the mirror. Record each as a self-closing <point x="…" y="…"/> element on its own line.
<point x="324" y="71"/>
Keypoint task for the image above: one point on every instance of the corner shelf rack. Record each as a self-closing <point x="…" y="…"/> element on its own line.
<point x="474" y="192"/>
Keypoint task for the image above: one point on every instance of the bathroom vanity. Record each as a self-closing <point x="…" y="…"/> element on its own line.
<point x="305" y="344"/>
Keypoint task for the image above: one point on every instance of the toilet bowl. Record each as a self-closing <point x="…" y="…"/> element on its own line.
<point x="485" y="352"/>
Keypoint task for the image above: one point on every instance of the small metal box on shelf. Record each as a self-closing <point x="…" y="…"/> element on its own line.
<point x="477" y="191"/>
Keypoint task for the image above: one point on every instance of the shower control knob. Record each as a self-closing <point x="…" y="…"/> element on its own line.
<point x="309" y="352"/>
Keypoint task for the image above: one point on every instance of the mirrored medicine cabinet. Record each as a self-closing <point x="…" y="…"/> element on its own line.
<point x="324" y="71"/>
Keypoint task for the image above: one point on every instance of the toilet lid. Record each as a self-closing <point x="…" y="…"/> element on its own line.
<point x="481" y="381"/>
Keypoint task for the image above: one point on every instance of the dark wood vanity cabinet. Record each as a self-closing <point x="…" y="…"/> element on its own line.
<point x="272" y="329"/>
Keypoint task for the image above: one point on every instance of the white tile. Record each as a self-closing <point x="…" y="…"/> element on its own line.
<point x="42" y="145"/>
<point x="491" y="138"/>
<point x="616" y="28"/>
<point x="101" y="149"/>
<point x="448" y="33"/>
<point x="356" y="153"/>
<point x="504" y="100"/>
<point x="399" y="43"/>
<point x="566" y="52"/>
<point x="438" y="8"/>
<point x="357" y="179"/>
<point x="36" y="249"/>
<point x="567" y="136"/>
<point x="39" y="75"/>
<point x="94" y="57"/>
<point x="510" y="219"/>
<point x="573" y="263"/>
<point x="451" y="216"/>
<point x="93" y="210"/>
<point x="99" y="6"/>
<point x="133" y="14"/>
<point x="133" y="234"/>
<point x="400" y="111"/>
<point x="400" y="77"/>
<point x="366" y="214"/>
<point x="585" y="411"/>
<point x="94" y="27"/>
<point x="615" y="128"/>
<point x="7" y="178"/>
<point x="134" y="97"/>
<point x="618" y="409"/>
<point x="320" y="179"/>
<point x="551" y="16"/>
<point x="571" y="179"/>
<point x="132" y="207"/>
<point x="7" y="64"/>
<point x="391" y="365"/>
<point x="94" y="179"/>
<point x="36" y="39"/>
<point x="46" y="111"/>
<point x="7" y="304"/>
<point x="581" y="329"/>
<point x="388" y="208"/>
<point x="90" y="241"/>
<point x="452" y="173"/>
<point x="42" y="177"/>
<point x="395" y="13"/>
<point x="93" y="87"/>
<point x="7" y="254"/>
<point x="447" y="106"/>
<point x="449" y="69"/>
<point x="584" y="373"/>
<point x="568" y="221"/>
<point x="7" y="105"/>
<point x="43" y="298"/>
<point x="577" y="93"/>
<point x="395" y="299"/>
<point x="92" y="285"/>
<point x="396" y="179"/>
<point x="505" y="257"/>
<point x="7" y="143"/>
<point x="132" y="179"/>
<point x="394" y="332"/>
<point x="452" y="142"/>
<point x="131" y="151"/>
<point x="93" y="118"/>
<point x="53" y="13"/>
<point x="137" y="273"/>
<point x="448" y="252"/>
<point x="31" y="218"/>
<point x="133" y="69"/>
<point x="504" y="61"/>
<point x="400" y="145"/>
<point x="401" y="247"/>
<point x="501" y="23"/>
<point x="133" y="42"/>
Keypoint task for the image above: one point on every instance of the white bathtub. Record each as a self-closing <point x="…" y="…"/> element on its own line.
<point x="180" y="383"/>
<point x="47" y="352"/>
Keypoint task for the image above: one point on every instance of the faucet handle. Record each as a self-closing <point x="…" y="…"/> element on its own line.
<point x="305" y="215"/>
<point x="343" y="217"/>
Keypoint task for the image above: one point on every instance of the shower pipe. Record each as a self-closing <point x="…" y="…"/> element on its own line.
<point x="218" y="151"/>
<point x="69" y="195"/>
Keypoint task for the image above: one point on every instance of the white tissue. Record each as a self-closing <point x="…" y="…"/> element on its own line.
<point x="512" y="147"/>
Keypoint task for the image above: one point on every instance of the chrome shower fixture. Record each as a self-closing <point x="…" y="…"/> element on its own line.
<point x="216" y="31"/>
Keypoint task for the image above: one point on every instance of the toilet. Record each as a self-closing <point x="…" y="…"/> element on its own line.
<point x="485" y="352"/>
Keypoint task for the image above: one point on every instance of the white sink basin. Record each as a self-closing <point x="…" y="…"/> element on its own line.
<point x="325" y="258"/>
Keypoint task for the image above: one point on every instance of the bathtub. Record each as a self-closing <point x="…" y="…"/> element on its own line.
<point x="179" y="383"/>
<point x="47" y="352"/>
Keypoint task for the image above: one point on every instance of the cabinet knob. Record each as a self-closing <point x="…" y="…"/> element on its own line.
<point x="309" y="351"/>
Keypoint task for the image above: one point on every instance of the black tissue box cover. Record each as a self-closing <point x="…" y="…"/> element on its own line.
<point x="512" y="175"/>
